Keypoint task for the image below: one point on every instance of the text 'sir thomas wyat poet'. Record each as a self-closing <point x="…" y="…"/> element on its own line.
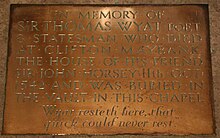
<point x="78" y="69"/>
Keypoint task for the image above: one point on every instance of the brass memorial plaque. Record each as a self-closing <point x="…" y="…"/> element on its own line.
<point x="107" y="69"/>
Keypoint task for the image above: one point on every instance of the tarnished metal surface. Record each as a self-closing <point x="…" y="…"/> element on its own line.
<point x="108" y="70"/>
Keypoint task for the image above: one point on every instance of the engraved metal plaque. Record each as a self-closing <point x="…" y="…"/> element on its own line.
<point x="84" y="69"/>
